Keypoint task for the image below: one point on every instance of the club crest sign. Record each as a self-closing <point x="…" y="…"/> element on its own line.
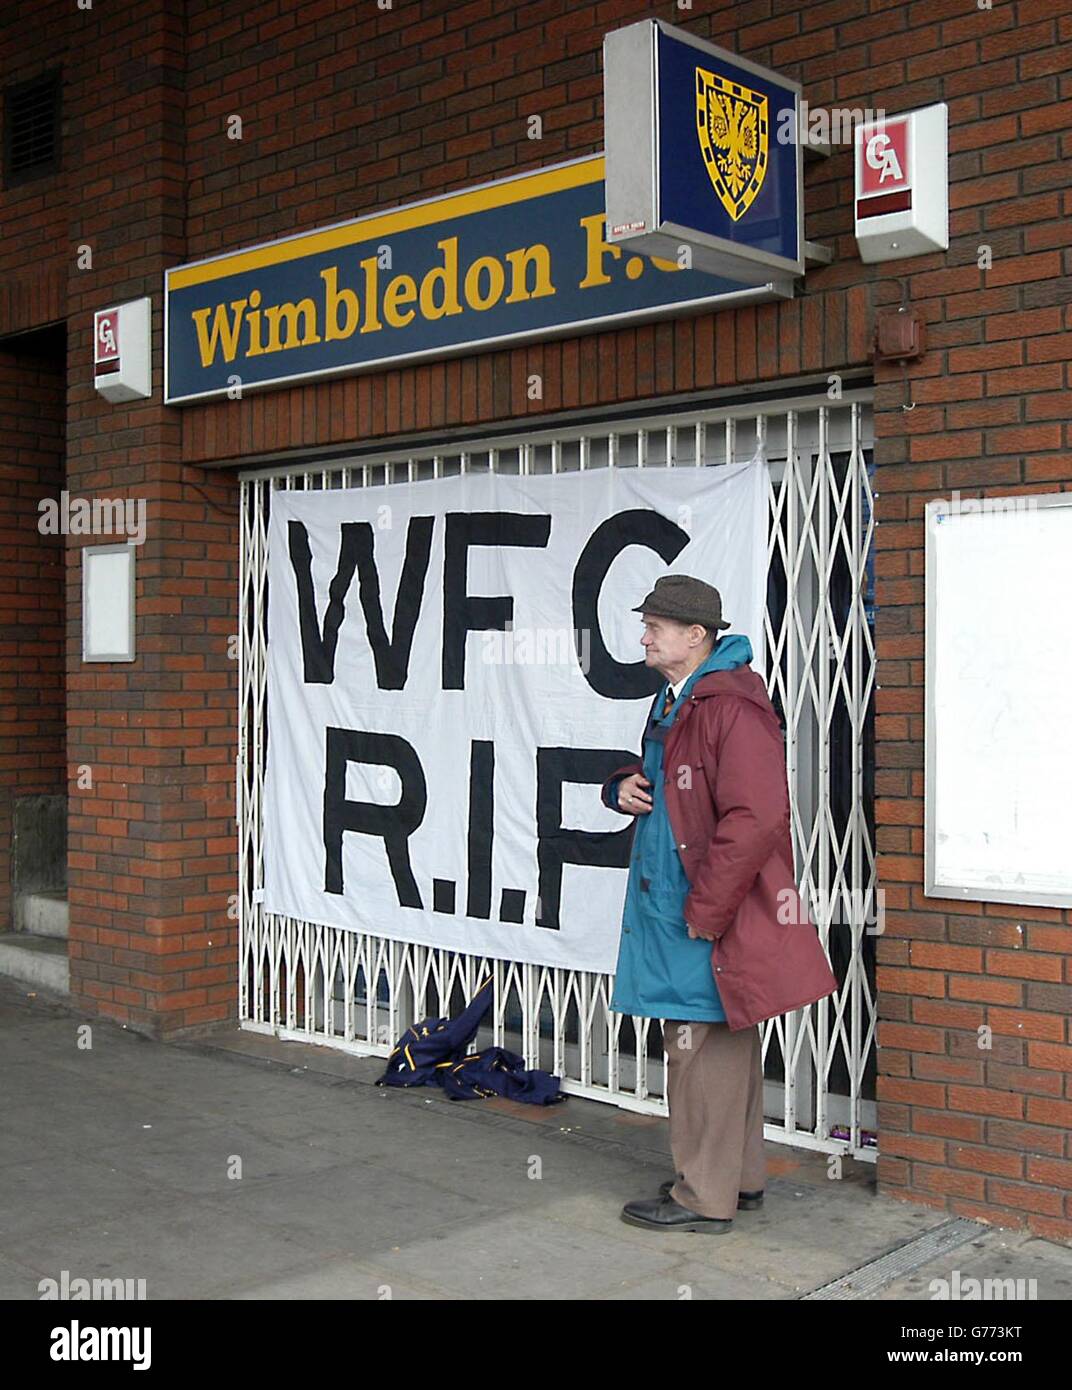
<point x="734" y="131"/>
<point x="695" y="168"/>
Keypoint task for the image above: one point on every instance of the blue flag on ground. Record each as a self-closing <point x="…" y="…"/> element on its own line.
<point x="433" y="1053"/>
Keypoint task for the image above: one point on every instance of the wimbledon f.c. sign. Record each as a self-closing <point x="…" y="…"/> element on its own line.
<point x="511" y="261"/>
<point x="696" y="155"/>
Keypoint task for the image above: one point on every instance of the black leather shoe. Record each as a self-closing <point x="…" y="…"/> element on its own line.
<point x="664" y="1214"/>
<point x="746" y="1201"/>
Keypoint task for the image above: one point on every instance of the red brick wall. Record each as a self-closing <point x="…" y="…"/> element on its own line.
<point x="346" y="108"/>
<point x="32" y="668"/>
<point x="152" y="848"/>
<point x="349" y="109"/>
<point x="152" y="839"/>
<point x="34" y="39"/>
<point x="982" y="1133"/>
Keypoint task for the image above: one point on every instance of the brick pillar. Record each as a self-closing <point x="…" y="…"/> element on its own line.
<point x="151" y="748"/>
<point x="978" y="1131"/>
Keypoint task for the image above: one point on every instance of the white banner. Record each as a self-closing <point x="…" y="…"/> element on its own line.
<point x="453" y="671"/>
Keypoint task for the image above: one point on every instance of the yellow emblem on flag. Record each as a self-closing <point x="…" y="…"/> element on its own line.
<point x="733" y="129"/>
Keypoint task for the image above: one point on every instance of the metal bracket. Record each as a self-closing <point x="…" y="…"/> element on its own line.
<point x="815" y="253"/>
<point x="815" y="149"/>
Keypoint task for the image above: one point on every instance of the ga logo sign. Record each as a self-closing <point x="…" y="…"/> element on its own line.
<point x="733" y="127"/>
<point x="883" y="158"/>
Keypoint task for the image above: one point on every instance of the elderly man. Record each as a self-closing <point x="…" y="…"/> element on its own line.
<point x="707" y="944"/>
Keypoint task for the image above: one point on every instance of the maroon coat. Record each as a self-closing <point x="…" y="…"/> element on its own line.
<point x="728" y="803"/>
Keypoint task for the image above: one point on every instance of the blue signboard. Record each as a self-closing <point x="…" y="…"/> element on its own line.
<point x="702" y="153"/>
<point x="519" y="259"/>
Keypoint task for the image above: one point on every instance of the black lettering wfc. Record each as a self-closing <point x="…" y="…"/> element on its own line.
<point x="462" y="614"/>
<point x="356" y="551"/>
<point x="617" y="680"/>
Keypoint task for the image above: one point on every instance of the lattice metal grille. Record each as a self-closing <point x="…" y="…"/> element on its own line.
<point x="359" y="991"/>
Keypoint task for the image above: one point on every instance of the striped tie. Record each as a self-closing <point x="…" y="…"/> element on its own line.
<point x="669" y="703"/>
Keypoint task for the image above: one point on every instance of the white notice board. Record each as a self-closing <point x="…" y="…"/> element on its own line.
<point x="998" y="808"/>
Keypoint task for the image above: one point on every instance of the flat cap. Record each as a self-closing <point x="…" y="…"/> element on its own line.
<point x="687" y="599"/>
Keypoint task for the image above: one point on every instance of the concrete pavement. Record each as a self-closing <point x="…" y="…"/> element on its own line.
<point x="241" y="1167"/>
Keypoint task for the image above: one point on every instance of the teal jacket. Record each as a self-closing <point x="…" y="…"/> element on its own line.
<point x="662" y="972"/>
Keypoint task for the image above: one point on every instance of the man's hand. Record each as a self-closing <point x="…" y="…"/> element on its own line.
<point x="632" y="798"/>
<point x="699" y="935"/>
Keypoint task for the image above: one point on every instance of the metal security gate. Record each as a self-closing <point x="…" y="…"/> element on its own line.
<point x="358" y="991"/>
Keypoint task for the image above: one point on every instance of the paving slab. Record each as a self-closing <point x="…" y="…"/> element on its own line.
<point x="1019" y="1266"/>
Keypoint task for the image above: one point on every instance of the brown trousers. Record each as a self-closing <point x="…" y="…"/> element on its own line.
<point x="715" y="1094"/>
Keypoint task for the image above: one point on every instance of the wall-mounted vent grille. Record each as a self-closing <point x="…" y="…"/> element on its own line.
<point x="32" y="129"/>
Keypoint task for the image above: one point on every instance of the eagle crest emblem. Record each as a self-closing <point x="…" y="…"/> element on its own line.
<point x="733" y="129"/>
